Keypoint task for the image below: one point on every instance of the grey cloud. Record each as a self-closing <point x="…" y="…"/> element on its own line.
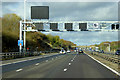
<point x="81" y="11"/>
<point x="13" y="7"/>
<point x="69" y="10"/>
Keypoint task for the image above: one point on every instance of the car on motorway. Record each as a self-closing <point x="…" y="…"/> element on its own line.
<point x="101" y="51"/>
<point x="75" y="50"/>
<point x="117" y="52"/>
<point x="68" y="51"/>
<point x="62" y="51"/>
<point x="80" y="51"/>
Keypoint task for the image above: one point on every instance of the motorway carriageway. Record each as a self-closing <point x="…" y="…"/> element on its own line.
<point x="69" y="65"/>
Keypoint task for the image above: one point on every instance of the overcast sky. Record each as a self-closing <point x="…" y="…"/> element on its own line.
<point x="73" y="11"/>
<point x="68" y="10"/>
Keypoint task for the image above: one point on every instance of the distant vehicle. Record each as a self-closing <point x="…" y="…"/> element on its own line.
<point x="101" y="51"/>
<point x="96" y="49"/>
<point x="62" y="51"/>
<point x="68" y="51"/>
<point x="90" y="48"/>
<point x="75" y="50"/>
<point x="80" y="51"/>
<point x="83" y="49"/>
<point x="117" y="52"/>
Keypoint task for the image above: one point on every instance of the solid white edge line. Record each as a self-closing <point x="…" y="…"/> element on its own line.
<point x="19" y="70"/>
<point x="25" y="60"/>
<point x="104" y="65"/>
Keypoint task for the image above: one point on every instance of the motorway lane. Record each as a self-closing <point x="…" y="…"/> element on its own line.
<point x="66" y="66"/>
<point x="85" y="67"/>
<point x="13" y="66"/>
<point x="43" y="70"/>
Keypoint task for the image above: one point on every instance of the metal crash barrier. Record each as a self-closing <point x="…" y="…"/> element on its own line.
<point x="109" y="57"/>
<point x="14" y="55"/>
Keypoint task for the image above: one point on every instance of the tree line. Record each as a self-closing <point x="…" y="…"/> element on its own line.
<point x="10" y="37"/>
<point x="114" y="45"/>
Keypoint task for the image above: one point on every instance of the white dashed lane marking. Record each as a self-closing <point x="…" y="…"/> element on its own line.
<point x="69" y="64"/>
<point x="65" y="70"/>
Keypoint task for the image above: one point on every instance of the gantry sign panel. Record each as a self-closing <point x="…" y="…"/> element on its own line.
<point x="69" y="26"/>
<point x="54" y="26"/>
<point x="113" y="26"/>
<point x="117" y="26"/>
<point x="83" y="26"/>
<point x="39" y="12"/>
<point x="39" y="26"/>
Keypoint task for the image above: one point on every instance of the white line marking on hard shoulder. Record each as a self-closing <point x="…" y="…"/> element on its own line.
<point x="104" y="65"/>
<point x="37" y="64"/>
<point x="69" y="64"/>
<point x="65" y="70"/>
<point x="19" y="70"/>
<point x="46" y="60"/>
<point x="20" y="61"/>
<point x="25" y="60"/>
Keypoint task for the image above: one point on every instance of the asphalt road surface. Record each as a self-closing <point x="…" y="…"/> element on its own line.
<point x="65" y="66"/>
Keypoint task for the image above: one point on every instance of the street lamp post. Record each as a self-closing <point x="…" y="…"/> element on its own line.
<point x="24" y="25"/>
